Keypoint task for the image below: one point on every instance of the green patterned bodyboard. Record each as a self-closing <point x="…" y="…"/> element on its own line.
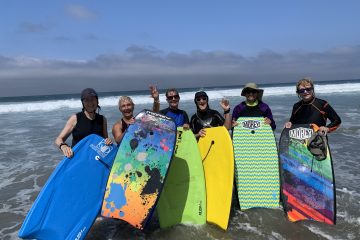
<point x="256" y="164"/>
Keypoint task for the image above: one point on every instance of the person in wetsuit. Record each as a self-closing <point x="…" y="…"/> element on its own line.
<point x="83" y="123"/>
<point x="126" y="107"/>
<point x="205" y="117"/>
<point x="312" y="110"/>
<point x="173" y="98"/>
<point x="253" y="106"/>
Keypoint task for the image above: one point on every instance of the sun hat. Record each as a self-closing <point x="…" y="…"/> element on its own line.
<point x="254" y="87"/>
<point x="88" y="92"/>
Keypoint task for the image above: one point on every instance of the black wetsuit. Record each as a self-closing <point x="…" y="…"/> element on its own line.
<point x="85" y="127"/>
<point x="317" y="111"/>
<point x="206" y="119"/>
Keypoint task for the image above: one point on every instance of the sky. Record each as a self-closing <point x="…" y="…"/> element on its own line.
<point x="52" y="47"/>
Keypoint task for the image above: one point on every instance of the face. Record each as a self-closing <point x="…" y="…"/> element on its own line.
<point x="251" y="95"/>
<point x="173" y="99"/>
<point x="126" y="108"/>
<point x="90" y="104"/>
<point x="306" y="92"/>
<point x="202" y="102"/>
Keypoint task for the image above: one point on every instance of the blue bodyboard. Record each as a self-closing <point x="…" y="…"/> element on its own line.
<point x="71" y="199"/>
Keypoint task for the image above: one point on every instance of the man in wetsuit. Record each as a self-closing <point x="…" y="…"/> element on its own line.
<point x="173" y="98"/>
<point x="206" y="117"/>
<point x="312" y="110"/>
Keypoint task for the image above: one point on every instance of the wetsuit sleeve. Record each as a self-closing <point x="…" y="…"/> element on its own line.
<point x="236" y="113"/>
<point x="292" y="117"/>
<point x="334" y="118"/>
<point x="269" y="115"/>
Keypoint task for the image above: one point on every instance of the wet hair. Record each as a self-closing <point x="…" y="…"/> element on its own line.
<point x="171" y="90"/>
<point x="304" y="81"/>
<point x="125" y="98"/>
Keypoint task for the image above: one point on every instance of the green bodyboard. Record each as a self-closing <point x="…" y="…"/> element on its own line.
<point x="256" y="164"/>
<point x="183" y="199"/>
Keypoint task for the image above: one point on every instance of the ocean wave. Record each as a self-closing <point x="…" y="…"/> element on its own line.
<point x="214" y="94"/>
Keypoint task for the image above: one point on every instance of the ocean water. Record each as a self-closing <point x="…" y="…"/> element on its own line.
<point x="29" y="126"/>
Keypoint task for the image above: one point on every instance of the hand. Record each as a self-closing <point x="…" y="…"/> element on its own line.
<point x="323" y="130"/>
<point x="186" y="126"/>
<point x="267" y="120"/>
<point x="288" y="125"/>
<point x="132" y="121"/>
<point x="225" y="104"/>
<point x="201" y="133"/>
<point x="154" y="92"/>
<point x="234" y="123"/>
<point x="67" y="151"/>
<point x="108" y="141"/>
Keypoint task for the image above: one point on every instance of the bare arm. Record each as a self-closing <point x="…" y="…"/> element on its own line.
<point x="117" y="131"/>
<point x="225" y="104"/>
<point x="155" y="96"/>
<point x="64" y="134"/>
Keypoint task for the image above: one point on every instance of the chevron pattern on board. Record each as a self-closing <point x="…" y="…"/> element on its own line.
<point x="256" y="164"/>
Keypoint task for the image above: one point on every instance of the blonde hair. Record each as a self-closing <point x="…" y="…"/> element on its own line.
<point x="304" y="81"/>
<point x="124" y="99"/>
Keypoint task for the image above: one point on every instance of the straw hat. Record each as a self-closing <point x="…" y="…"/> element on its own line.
<point x="254" y="87"/>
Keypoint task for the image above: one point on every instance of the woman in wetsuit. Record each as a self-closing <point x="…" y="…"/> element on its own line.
<point x="83" y="123"/>
<point x="312" y="110"/>
<point x="126" y="107"/>
<point x="206" y="117"/>
<point x="253" y="106"/>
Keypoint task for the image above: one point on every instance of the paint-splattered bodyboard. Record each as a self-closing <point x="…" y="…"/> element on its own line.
<point x="139" y="169"/>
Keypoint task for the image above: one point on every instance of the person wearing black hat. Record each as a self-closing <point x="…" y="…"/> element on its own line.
<point x="173" y="98"/>
<point x="206" y="117"/>
<point x="253" y="106"/>
<point x="83" y="123"/>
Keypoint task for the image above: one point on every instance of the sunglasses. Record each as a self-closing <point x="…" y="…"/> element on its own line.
<point x="253" y="91"/>
<point x="201" y="98"/>
<point x="305" y="90"/>
<point x="173" y="97"/>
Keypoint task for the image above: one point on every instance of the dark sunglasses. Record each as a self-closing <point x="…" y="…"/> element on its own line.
<point x="305" y="90"/>
<point x="173" y="97"/>
<point x="248" y="91"/>
<point x="201" y="98"/>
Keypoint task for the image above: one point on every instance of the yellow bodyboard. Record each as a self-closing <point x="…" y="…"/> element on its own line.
<point x="218" y="159"/>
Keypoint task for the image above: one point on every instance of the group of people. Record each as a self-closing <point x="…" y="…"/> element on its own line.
<point x="308" y="110"/>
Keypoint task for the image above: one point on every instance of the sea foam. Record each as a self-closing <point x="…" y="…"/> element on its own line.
<point x="214" y="94"/>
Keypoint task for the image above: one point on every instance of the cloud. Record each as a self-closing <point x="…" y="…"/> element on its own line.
<point x="80" y="12"/>
<point x="140" y="66"/>
<point x="29" y="27"/>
